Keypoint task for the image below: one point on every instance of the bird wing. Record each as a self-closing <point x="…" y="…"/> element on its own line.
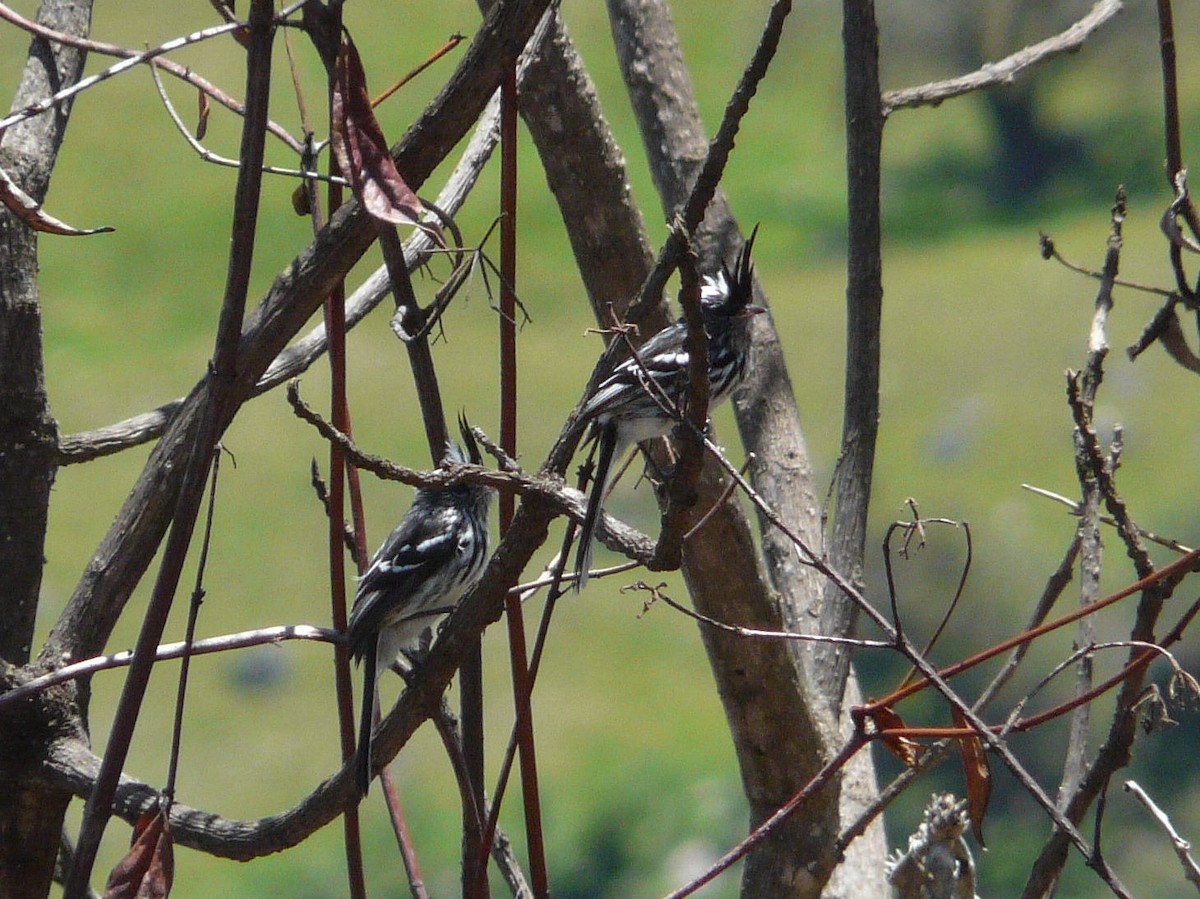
<point x="662" y="358"/>
<point x="412" y="552"/>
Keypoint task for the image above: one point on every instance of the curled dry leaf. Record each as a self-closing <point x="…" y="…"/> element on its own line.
<point x="148" y="869"/>
<point x="360" y="147"/>
<point x="201" y="114"/>
<point x="1170" y="219"/>
<point x="978" y="775"/>
<point x="900" y="746"/>
<point x="1173" y="341"/>
<point x="31" y="213"/>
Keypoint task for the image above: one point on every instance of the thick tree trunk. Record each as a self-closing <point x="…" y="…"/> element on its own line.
<point x="762" y="685"/>
<point x="768" y="422"/>
<point x="31" y="814"/>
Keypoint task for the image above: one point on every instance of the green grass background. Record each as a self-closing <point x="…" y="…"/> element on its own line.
<point x="639" y="781"/>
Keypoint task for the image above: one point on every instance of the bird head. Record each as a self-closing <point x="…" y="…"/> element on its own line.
<point x="468" y="452"/>
<point x="728" y="293"/>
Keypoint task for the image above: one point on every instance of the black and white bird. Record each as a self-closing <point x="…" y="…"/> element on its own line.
<point x="642" y="397"/>
<point x="433" y="557"/>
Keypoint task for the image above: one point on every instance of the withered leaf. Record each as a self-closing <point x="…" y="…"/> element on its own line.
<point x="360" y="147"/>
<point x="201" y="114"/>
<point x="1174" y="232"/>
<point x="978" y="774"/>
<point x="1181" y="206"/>
<point x="31" y="213"/>
<point x="900" y="746"/>
<point x="1176" y="344"/>
<point x="148" y="869"/>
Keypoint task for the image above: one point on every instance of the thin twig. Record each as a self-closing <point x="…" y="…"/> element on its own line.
<point x="1169" y="542"/>
<point x="190" y="636"/>
<point x="658" y="595"/>
<point x="183" y="73"/>
<point x="208" y="155"/>
<point x="1050" y="251"/>
<point x="240" y="640"/>
<point x="1182" y="847"/>
<point x="1004" y="70"/>
<point x="453" y="41"/>
<point x="124" y="65"/>
<point x="1055" y="585"/>
<point x="1082" y="652"/>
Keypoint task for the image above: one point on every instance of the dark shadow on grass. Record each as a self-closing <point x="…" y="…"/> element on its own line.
<point x="1041" y="173"/>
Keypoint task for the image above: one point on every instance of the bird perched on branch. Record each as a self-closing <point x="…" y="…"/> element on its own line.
<point x="643" y="396"/>
<point x="433" y="557"/>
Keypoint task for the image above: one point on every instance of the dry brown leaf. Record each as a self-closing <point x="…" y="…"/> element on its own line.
<point x="1176" y="345"/>
<point x="978" y="774"/>
<point x="201" y="114"/>
<point x="360" y="147"/>
<point x="900" y="746"/>
<point x="147" y="870"/>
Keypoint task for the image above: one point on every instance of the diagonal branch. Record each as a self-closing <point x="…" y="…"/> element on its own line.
<point x="297" y="293"/>
<point x="184" y="73"/>
<point x="1004" y="70"/>
<point x="200" y="458"/>
<point x="296" y="359"/>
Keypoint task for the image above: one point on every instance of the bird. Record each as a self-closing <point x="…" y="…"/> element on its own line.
<point x="425" y="566"/>
<point x="640" y="399"/>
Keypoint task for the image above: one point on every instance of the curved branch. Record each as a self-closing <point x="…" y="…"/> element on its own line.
<point x="241" y="640"/>
<point x="1005" y="70"/>
<point x="72" y="764"/>
<point x="550" y="490"/>
<point x="183" y="73"/>
<point x="136" y="59"/>
<point x="297" y="358"/>
<point x="296" y="294"/>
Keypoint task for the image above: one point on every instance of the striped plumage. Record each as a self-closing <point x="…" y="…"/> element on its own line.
<point x="433" y="557"/>
<point x="628" y="405"/>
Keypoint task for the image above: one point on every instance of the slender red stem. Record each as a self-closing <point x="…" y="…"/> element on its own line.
<point x="1178" y="567"/>
<point x="522" y="683"/>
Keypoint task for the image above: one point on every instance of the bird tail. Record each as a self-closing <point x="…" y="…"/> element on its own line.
<point x="607" y="445"/>
<point x="362" y="756"/>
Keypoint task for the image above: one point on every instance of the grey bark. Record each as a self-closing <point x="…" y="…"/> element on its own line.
<point x="30" y="810"/>
<point x="864" y="305"/>
<point x="769" y="426"/>
<point x="779" y="741"/>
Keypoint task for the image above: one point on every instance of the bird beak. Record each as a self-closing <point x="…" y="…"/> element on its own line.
<point x="751" y="310"/>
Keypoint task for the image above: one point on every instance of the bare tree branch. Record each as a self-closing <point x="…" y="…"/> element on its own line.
<point x="1191" y="871"/>
<point x="184" y="73"/>
<point x="297" y="358"/>
<point x="217" y="411"/>
<point x="30" y="814"/>
<point x="133" y="538"/>
<point x="1005" y="70"/>
<point x="674" y="139"/>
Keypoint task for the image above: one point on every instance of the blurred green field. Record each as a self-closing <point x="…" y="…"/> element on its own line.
<point x="639" y="782"/>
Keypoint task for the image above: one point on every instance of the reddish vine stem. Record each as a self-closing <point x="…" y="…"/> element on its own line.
<point x="334" y="316"/>
<point x="1177" y="568"/>
<point x="188" y="640"/>
<point x="522" y="681"/>
<point x="453" y="41"/>
<point x="335" y="328"/>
